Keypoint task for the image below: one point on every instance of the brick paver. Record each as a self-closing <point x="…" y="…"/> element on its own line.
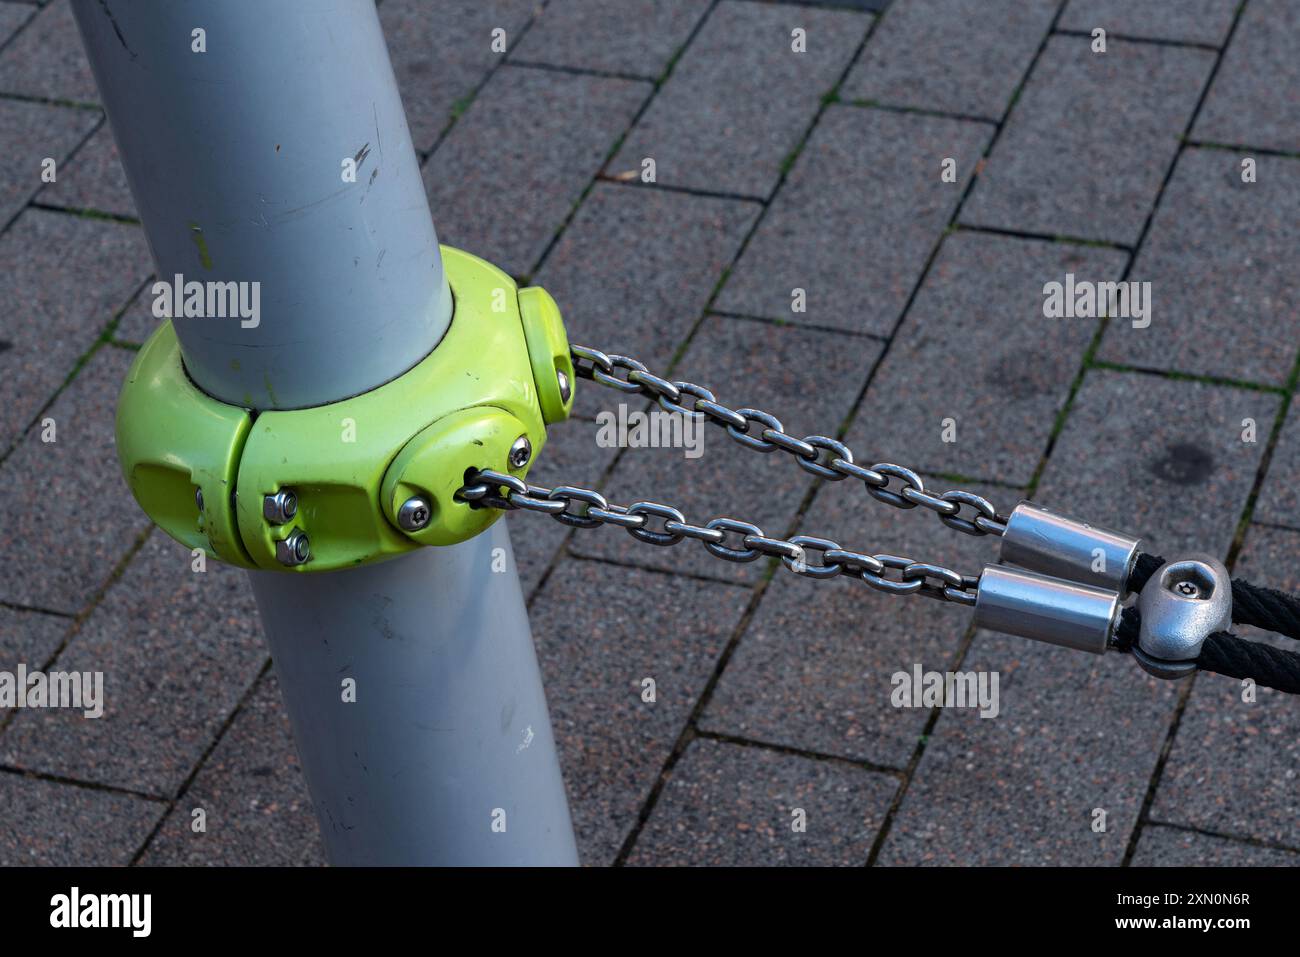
<point x="1087" y="145"/>
<point x="65" y="501"/>
<point x="955" y="56"/>
<point x="177" y="649"/>
<point x="547" y="133"/>
<point x="976" y="375"/>
<point x="1173" y="847"/>
<point x="64" y="825"/>
<point x="740" y="98"/>
<point x="255" y="803"/>
<point x="1187" y="21"/>
<point x="442" y="52"/>
<point x="807" y="379"/>
<point x="1130" y="458"/>
<point x="600" y="632"/>
<point x="814" y="669"/>
<point x="636" y="37"/>
<point x="1253" y="100"/>
<point x="669" y="250"/>
<point x="49" y="132"/>
<point x="93" y="179"/>
<point x="65" y="278"/>
<point x="730" y="805"/>
<point x="1234" y="764"/>
<point x="1220" y="308"/>
<point x="856" y="220"/>
<point x="46" y="59"/>
<point x="696" y="275"/>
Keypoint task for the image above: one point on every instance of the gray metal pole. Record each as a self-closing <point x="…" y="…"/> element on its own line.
<point x="235" y="122"/>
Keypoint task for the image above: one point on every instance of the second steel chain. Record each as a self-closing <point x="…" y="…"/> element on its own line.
<point x="820" y="455"/>
<point x="483" y="490"/>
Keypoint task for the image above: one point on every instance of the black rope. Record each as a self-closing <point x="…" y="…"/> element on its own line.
<point x="1226" y="654"/>
<point x="1255" y="605"/>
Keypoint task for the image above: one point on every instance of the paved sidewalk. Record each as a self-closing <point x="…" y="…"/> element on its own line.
<point x="781" y="177"/>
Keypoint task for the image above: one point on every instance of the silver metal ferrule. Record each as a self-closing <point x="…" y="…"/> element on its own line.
<point x="1059" y="612"/>
<point x="1045" y="541"/>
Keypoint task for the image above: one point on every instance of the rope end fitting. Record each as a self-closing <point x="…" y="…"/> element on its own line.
<point x="1181" y="605"/>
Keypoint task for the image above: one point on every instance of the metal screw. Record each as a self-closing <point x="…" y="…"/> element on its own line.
<point x="563" y="380"/>
<point x="1188" y="589"/>
<point x="280" y="507"/>
<point x="294" y="550"/>
<point x="414" y="514"/>
<point x="198" y="498"/>
<point x="520" y="452"/>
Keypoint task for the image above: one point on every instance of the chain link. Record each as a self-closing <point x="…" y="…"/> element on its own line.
<point x="761" y="431"/>
<point x="664" y="525"/>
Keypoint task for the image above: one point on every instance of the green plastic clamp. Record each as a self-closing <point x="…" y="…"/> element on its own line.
<point x="493" y="378"/>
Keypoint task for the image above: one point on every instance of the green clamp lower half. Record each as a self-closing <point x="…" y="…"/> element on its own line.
<point x="204" y="470"/>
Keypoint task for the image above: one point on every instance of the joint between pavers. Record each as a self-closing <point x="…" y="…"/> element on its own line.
<point x="1147" y="41"/>
<point x="77" y="783"/>
<point x="855" y="763"/>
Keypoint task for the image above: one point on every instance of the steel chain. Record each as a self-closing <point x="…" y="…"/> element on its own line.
<point x="586" y="508"/>
<point x="820" y="455"/>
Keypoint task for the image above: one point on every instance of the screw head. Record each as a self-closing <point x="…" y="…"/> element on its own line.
<point x="1188" y="589"/>
<point x="565" y="389"/>
<point x="414" y="514"/>
<point x="198" y="498"/>
<point x="294" y="550"/>
<point x="520" y="452"/>
<point x="280" y="507"/>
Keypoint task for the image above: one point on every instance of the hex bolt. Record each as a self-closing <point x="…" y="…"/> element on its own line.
<point x="294" y="550"/>
<point x="280" y="507"/>
<point x="414" y="514"/>
<point x="520" y="452"/>
<point x="563" y="380"/>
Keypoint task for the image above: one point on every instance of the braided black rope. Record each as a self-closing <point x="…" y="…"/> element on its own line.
<point x="1255" y="605"/>
<point x="1226" y="654"/>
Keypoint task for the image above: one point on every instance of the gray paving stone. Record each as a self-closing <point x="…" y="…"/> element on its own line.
<point x="1187" y="21"/>
<point x="956" y="56"/>
<point x="856" y="220"/>
<point x="508" y="174"/>
<point x="975" y="348"/>
<point x="1159" y="458"/>
<point x="1075" y="732"/>
<point x="47" y="59"/>
<point x="644" y="301"/>
<point x="62" y="825"/>
<point x="739" y="100"/>
<point x="1172" y="847"/>
<point x="177" y="648"/>
<point x="808" y="379"/>
<point x="637" y="37"/>
<point x="730" y="805"/>
<point x="28" y="638"/>
<point x="1235" y="765"/>
<point x="1021" y="788"/>
<point x="1220" y="308"/>
<point x="1089" y="141"/>
<point x="600" y="630"/>
<point x="257" y="808"/>
<point x="813" y="670"/>
<point x="1253" y="98"/>
<point x="441" y="53"/>
<point x="69" y="517"/>
<point x="13" y="16"/>
<point x="64" y="279"/>
<point x="93" y="179"/>
<point x="1279" y="499"/>
<point x="138" y="321"/>
<point x="35" y="131"/>
<point x="571" y="457"/>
